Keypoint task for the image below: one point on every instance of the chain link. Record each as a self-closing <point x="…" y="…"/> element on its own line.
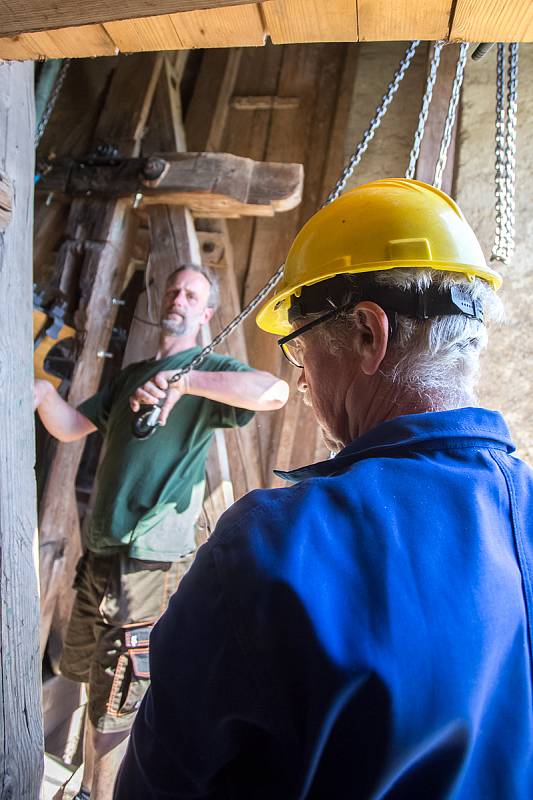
<point x="375" y="122"/>
<point x="505" y="155"/>
<point x="339" y="186"/>
<point x="450" y="116"/>
<point x="47" y="113"/>
<point x="424" y="111"/>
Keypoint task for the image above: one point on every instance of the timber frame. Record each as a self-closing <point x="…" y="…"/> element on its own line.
<point x="272" y="122"/>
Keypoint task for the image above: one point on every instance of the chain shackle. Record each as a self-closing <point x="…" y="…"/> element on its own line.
<point x="450" y="116"/>
<point x="424" y="111"/>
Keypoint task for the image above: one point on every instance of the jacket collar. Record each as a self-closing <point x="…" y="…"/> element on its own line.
<point x="474" y="426"/>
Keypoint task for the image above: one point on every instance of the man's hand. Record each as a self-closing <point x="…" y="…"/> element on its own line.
<point x="41" y="389"/>
<point x="157" y="390"/>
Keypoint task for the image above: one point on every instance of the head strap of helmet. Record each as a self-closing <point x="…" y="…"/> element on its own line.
<point x="344" y="291"/>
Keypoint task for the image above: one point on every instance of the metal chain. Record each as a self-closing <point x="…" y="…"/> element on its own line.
<point x="450" y="116"/>
<point x="374" y="123"/>
<point x="47" y="113"/>
<point x="498" y="250"/>
<point x="424" y="111"/>
<point x="333" y="195"/>
<point x="505" y="155"/>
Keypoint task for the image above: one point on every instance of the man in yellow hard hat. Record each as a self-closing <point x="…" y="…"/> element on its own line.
<point x="368" y="632"/>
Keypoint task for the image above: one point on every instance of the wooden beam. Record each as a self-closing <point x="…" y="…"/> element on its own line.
<point x="264" y="102"/>
<point x="41" y="15"/>
<point x="208" y="112"/>
<point x="396" y="20"/>
<point x="492" y="21"/>
<point x="291" y="21"/>
<point x="21" y="734"/>
<point x="210" y="184"/>
<point x="430" y="147"/>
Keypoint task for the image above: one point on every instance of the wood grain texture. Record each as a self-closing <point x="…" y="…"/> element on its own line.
<point x="21" y="734"/>
<point x="210" y="184"/>
<point x="430" y="147"/>
<point x="205" y="124"/>
<point x="396" y="20"/>
<point x="311" y="20"/>
<point x="76" y="42"/>
<point x="493" y="21"/>
<point x="27" y="16"/>
<point x="215" y="27"/>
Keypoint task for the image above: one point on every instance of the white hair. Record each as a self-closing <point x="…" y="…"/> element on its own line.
<point x="437" y="360"/>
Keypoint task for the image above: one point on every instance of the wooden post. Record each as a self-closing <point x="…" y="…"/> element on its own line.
<point x="21" y="747"/>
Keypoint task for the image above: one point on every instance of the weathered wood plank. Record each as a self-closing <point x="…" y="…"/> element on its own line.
<point x="213" y="90"/>
<point x="396" y="20"/>
<point x="211" y="184"/>
<point x="21" y="734"/>
<point x="492" y="21"/>
<point x="38" y="15"/>
<point x="82" y="42"/>
<point x="264" y="102"/>
<point x="430" y="147"/>
<point x="311" y="20"/>
<point x="215" y="27"/>
<point x="208" y="109"/>
<point x="122" y="122"/>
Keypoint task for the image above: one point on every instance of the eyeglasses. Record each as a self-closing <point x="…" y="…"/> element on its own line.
<point x="292" y="349"/>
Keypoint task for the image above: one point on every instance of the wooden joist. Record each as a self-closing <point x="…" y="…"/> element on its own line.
<point x="39" y="15"/>
<point x="210" y="184"/>
<point x="20" y="718"/>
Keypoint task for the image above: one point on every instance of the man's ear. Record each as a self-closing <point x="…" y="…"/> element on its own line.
<point x="207" y="315"/>
<point x="373" y="338"/>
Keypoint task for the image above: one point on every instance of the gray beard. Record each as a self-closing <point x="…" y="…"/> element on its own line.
<point x="173" y="328"/>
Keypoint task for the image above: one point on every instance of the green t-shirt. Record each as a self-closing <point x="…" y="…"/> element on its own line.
<point x="149" y="492"/>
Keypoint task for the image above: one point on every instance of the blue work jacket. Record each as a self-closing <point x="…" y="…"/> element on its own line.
<point x="363" y="634"/>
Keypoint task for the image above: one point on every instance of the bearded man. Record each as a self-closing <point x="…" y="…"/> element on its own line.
<point x="367" y="633"/>
<point x="140" y="536"/>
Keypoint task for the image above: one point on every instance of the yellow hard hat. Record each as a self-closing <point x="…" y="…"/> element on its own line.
<point x="385" y="224"/>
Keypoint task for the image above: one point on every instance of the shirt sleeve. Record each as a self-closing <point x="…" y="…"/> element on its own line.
<point x="98" y="407"/>
<point x="198" y="717"/>
<point x="224" y="415"/>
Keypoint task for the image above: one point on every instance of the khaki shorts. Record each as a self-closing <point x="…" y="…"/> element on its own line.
<point x="118" y="599"/>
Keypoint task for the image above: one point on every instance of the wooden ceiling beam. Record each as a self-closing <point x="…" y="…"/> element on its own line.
<point x="210" y="184"/>
<point x="29" y="16"/>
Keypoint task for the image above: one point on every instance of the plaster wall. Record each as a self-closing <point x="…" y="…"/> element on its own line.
<point x="506" y="377"/>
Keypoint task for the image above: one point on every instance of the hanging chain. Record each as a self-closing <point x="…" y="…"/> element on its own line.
<point x="374" y="123"/>
<point x="505" y="155"/>
<point x="424" y="111"/>
<point x="500" y="236"/>
<point x="333" y="195"/>
<point x="450" y="116"/>
<point x="47" y="113"/>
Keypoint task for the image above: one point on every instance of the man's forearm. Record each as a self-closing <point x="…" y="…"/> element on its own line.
<point x="256" y="391"/>
<point x="60" y="419"/>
